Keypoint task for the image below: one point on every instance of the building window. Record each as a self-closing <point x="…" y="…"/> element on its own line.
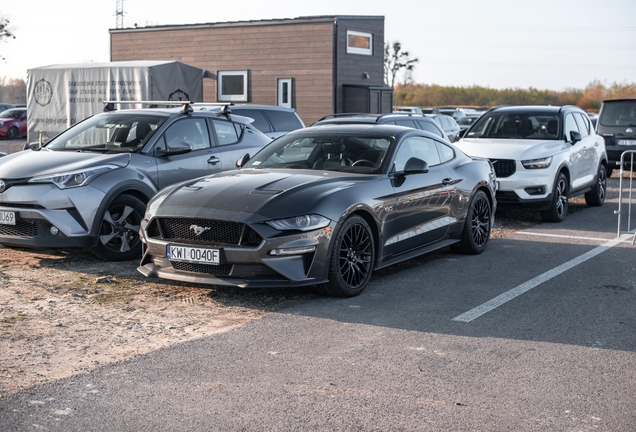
<point x="232" y="86"/>
<point x="285" y="92"/>
<point x="359" y="43"/>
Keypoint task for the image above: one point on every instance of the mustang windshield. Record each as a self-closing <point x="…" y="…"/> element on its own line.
<point x="528" y="125"/>
<point x="331" y="152"/>
<point x="120" y="131"/>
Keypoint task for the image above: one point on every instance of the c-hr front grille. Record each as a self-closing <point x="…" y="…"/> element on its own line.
<point x="24" y="228"/>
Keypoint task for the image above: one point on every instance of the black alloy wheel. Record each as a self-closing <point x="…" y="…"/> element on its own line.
<point x="477" y="227"/>
<point x="352" y="259"/>
<point x="12" y="133"/>
<point x="596" y="197"/>
<point x="119" y="229"/>
<point x="559" y="208"/>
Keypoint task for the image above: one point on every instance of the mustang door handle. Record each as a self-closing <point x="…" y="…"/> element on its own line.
<point x="214" y="160"/>
<point x="447" y="181"/>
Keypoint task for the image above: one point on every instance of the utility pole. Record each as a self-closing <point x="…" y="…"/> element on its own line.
<point x="119" y="13"/>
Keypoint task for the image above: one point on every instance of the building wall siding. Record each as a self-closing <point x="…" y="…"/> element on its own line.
<point x="302" y="51"/>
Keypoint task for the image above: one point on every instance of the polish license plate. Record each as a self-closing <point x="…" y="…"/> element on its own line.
<point x="7" y="218"/>
<point x="193" y="254"/>
<point x="627" y="142"/>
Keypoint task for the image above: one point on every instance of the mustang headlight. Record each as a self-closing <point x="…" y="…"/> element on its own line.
<point x="70" y="179"/>
<point x="300" y="223"/>
<point x="537" y="163"/>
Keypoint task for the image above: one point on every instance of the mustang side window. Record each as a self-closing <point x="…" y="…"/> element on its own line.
<point x="419" y="147"/>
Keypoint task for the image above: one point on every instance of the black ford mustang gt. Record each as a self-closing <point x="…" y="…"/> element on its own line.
<point x="321" y="206"/>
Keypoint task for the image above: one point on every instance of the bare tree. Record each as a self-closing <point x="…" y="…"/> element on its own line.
<point x="5" y="31"/>
<point x="396" y="60"/>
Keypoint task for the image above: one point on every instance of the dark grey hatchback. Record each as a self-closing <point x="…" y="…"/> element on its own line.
<point x="617" y="125"/>
<point x="321" y="206"/>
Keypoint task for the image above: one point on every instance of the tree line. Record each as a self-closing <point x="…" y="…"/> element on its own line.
<point x="590" y="98"/>
<point x="12" y="90"/>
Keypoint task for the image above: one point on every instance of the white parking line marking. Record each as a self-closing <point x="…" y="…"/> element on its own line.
<point x="527" y="286"/>
<point x="561" y="236"/>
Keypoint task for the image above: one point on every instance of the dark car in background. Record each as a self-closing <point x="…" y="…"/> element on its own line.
<point x="617" y="125"/>
<point x="273" y="121"/>
<point x="88" y="187"/>
<point x="415" y="121"/>
<point x="13" y="123"/>
<point x="448" y="124"/>
<point x="6" y="106"/>
<point x="324" y="206"/>
<point x="469" y="119"/>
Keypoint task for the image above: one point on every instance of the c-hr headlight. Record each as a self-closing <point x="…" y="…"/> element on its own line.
<point x="71" y="179"/>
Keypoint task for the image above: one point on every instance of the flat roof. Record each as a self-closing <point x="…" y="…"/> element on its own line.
<point x="263" y="22"/>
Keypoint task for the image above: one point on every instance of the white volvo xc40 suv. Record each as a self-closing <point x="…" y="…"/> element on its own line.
<point x="542" y="155"/>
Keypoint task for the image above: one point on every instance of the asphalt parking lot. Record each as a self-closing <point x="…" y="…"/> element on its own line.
<point x="537" y="333"/>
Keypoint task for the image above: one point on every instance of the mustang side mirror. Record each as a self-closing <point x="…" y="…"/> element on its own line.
<point x="575" y="137"/>
<point x="415" y="166"/>
<point x="242" y="160"/>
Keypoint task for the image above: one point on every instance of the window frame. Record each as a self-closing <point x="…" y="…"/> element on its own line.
<point x="220" y="97"/>
<point x="356" y="50"/>
<point x="279" y="92"/>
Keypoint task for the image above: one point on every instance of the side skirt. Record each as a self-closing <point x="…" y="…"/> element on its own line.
<point x="415" y="252"/>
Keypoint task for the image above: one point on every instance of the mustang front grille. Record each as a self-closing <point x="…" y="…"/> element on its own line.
<point x="204" y="231"/>
<point x="504" y="167"/>
<point x="220" y="270"/>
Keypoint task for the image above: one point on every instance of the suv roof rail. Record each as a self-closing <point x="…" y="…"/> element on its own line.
<point x="345" y="115"/>
<point x="404" y="113"/>
<point x="186" y="105"/>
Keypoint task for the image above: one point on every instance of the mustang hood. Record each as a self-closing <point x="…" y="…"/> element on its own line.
<point x="29" y="163"/>
<point x="263" y="192"/>
<point x="515" y="149"/>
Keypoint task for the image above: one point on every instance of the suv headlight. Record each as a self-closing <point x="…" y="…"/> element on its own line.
<point x="300" y="223"/>
<point x="537" y="163"/>
<point x="70" y="179"/>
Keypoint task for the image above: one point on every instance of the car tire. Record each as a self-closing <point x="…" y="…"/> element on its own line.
<point x="476" y="232"/>
<point x="12" y="133"/>
<point x="119" y="229"/>
<point x="608" y="172"/>
<point x="352" y="259"/>
<point x="596" y="197"/>
<point x="559" y="207"/>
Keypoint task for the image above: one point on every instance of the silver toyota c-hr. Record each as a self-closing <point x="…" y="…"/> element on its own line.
<point x="88" y="187"/>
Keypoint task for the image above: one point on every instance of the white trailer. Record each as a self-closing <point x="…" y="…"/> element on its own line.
<point x="59" y="96"/>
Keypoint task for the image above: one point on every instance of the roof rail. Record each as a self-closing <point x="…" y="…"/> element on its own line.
<point x="345" y="115"/>
<point x="186" y="105"/>
<point x="404" y="113"/>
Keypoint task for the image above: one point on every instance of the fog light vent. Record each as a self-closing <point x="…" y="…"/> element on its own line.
<point x="535" y="190"/>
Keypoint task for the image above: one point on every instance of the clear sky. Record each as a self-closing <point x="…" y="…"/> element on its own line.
<point x="544" y="44"/>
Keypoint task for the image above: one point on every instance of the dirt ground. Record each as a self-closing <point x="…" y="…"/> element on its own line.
<point x="64" y="313"/>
